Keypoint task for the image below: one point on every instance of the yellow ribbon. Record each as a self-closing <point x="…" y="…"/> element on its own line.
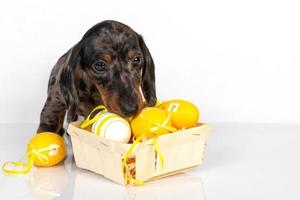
<point x="21" y="165"/>
<point x="163" y="125"/>
<point x="158" y="152"/>
<point x="128" y="177"/>
<point x="88" y="121"/>
<point x="33" y="154"/>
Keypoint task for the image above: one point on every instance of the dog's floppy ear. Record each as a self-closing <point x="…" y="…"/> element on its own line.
<point x="148" y="74"/>
<point x="67" y="81"/>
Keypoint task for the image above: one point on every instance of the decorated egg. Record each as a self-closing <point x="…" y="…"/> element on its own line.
<point x="112" y="126"/>
<point x="46" y="149"/>
<point x="184" y="114"/>
<point x="151" y="122"/>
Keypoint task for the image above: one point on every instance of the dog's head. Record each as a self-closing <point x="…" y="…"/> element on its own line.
<point x="118" y="62"/>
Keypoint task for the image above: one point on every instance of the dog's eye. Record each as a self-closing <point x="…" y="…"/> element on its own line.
<point x="100" y="65"/>
<point x="137" y="60"/>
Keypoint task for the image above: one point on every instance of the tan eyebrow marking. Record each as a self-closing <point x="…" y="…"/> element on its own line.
<point x="131" y="54"/>
<point x="106" y="57"/>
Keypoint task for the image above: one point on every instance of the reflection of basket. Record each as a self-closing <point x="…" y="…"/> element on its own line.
<point x="182" y="150"/>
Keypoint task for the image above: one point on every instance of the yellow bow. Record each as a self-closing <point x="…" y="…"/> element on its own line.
<point x="24" y="168"/>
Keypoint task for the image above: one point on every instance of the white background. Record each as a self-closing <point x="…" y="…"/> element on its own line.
<point x="237" y="60"/>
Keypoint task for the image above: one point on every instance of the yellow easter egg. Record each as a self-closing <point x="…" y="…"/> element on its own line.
<point x="184" y="114"/>
<point x="46" y="149"/>
<point x="151" y="122"/>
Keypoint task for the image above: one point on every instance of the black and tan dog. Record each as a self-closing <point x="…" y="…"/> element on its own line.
<point x="110" y="65"/>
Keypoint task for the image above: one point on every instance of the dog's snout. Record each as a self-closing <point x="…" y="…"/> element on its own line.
<point x="129" y="110"/>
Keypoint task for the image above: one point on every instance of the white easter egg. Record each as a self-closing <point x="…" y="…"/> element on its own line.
<point x="113" y="127"/>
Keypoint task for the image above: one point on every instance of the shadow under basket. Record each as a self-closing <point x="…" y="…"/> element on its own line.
<point x="181" y="150"/>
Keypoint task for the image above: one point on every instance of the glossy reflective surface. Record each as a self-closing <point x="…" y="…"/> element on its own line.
<point x="243" y="161"/>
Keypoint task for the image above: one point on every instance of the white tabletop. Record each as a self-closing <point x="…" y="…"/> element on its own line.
<point x="243" y="161"/>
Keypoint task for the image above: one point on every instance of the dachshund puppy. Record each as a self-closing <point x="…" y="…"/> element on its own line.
<point x="111" y="65"/>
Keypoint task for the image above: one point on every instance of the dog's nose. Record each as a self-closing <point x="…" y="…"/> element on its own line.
<point x="129" y="110"/>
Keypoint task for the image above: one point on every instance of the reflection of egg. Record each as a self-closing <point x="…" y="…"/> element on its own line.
<point x="113" y="127"/>
<point x="151" y="122"/>
<point x="49" y="145"/>
<point x="48" y="183"/>
<point x="183" y="113"/>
